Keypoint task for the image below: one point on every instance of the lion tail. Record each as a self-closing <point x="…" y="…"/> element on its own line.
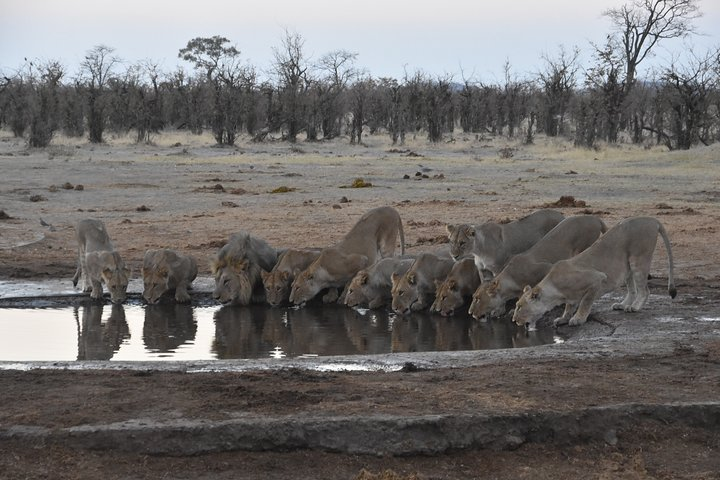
<point x="671" y="276"/>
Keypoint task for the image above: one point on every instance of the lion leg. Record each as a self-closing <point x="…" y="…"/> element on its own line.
<point x="640" y="276"/>
<point x="565" y="317"/>
<point x="96" y="290"/>
<point x="78" y="273"/>
<point x="331" y="296"/>
<point x="181" y="293"/>
<point x="631" y="292"/>
<point x="583" y="310"/>
<point x="87" y="281"/>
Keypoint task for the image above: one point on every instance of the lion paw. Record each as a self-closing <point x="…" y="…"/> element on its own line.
<point x="618" y="306"/>
<point x="182" y="297"/>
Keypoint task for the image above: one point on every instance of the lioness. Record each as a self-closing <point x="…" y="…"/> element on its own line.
<point x="623" y="253"/>
<point x="459" y="285"/>
<point x="237" y="266"/>
<point x="99" y="263"/>
<point x="415" y="290"/>
<point x="277" y="282"/>
<point x="567" y="239"/>
<point x="371" y="286"/>
<point x="372" y="237"/>
<point x="492" y="244"/>
<point x="167" y="270"/>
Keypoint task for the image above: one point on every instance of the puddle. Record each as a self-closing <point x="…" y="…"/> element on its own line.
<point x="90" y="331"/>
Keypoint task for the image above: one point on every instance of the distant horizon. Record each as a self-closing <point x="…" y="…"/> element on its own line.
<point x="463" y="40"/>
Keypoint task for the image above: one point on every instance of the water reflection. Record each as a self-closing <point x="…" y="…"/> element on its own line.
<point x="167" y="326"/>
<point x="169" y="331"/>
<point x="259" y="332"/>
<point x="98" y="339"/>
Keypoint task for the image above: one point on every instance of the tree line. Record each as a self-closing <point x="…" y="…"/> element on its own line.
<point x="677" y="106"/>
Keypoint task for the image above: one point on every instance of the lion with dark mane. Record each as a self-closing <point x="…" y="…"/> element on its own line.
<point x="237" y="267"/>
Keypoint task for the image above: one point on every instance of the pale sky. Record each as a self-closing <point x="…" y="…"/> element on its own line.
<point x="390" y="36"/>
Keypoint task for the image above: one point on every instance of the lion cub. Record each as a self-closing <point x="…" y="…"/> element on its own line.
<point x="165" y="270"/>
<point x="99" y="263"/>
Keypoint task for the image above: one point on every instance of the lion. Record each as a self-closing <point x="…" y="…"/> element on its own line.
<point x="372" y="237"/>
<point x="371" y="286"/>
<point x="166" y="270"/>
<point x="567" y="239"/>
<point x="277" y="282"/>
<point x="492" y="244"/>
<point x="459" y="285"/>
<point x="415" y="290"/>
<point x="99" y="262"/>
<point x="624" y="253"/>
<point x="237" y="267"/>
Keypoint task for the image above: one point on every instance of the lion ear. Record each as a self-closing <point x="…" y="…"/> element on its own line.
<point x="471" y="232"/>
<point x="394" y="278"/>
<point x="363" y="278"/>
<point x="411" y="279"/>
<point x="450" y="229"/>
<point x="264" y="275"/>
<point x="285" y="275"/>
<point x="452" y="284"/>
<point x="438" y="284"/>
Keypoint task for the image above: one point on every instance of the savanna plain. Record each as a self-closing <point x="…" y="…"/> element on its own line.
<point x="184" y="193"/>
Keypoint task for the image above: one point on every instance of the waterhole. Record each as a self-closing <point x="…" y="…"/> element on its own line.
<point x="93" y="331"/>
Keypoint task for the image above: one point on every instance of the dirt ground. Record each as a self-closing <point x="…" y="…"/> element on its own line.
<point x="184" y="193"/>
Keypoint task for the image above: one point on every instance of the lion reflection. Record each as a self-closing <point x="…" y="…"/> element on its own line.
<point x="168" y="326"/>
<point x="98" y="340"/>
<point x="256" y="331"/>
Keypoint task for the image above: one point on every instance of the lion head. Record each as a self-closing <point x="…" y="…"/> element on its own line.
<point x="277" y="286"/>
<point x="235" y="280"/>
<point x="155" y="284"/>
<point x="305" y="286"/>
<point x="487" y="301"/>
<point x="530" y="307"/>
<point x="405" y="295"/>
<point x="447" y="298"/>
<point x="355" y="293"/>
<point x="114" y="275"/>
<point x="462" y="240"/>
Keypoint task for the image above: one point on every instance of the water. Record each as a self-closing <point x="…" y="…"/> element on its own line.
<point x="181" y="332"/>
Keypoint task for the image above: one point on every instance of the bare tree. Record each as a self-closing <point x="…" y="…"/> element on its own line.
<point x="44" y="106"/>
<point x="95" y="71"/>
<point x="688" y="91"/>
<point x="16" y="99"/>
<point x="337" y="69"/>
<point x="641" y="24"/>
<point x="291" y="73"/>
<point x="359" y="99"/>
<point x="638" y="27"/>
<point x="438" y="107"/>
<point x="558" y="81"/>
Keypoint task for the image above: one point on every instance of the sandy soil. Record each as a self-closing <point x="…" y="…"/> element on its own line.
<point x="184" y="193"/>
